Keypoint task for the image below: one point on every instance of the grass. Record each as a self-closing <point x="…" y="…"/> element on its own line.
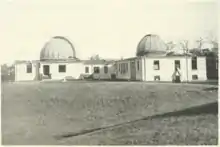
<point x="36" y="113"/>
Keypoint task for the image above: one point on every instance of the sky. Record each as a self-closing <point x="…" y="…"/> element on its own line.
<point x="110" y="28"/>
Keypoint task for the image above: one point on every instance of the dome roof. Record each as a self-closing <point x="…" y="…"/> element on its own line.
<point x="58" y="48"/>
<point x="151" y="45"/>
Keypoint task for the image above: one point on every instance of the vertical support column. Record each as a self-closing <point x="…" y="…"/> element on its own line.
<point x="145" y="76"/>
<point x="187" y="67"/>
<point x="15" y="72"/>
<point x="37" y="72"/>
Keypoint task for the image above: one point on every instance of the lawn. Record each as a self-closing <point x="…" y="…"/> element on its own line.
<point x="94" y="113"/>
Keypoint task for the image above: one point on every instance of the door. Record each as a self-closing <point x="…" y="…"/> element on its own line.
<point x="177" y="64"/>
<point x="133" y="70"/>
<point x="46" y="70"/>
<point x="176" y="71"/>
<point x="211" y="68"/>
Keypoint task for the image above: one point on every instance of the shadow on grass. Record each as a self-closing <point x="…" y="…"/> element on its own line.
<point x="211" y="89"/>
<point x="211" y="108"/>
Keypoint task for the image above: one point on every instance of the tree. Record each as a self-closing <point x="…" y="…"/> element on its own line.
<point x="7" y="72"/>
<point x="215" y="48"/>
<point x="215" y="44"/>
<point x="185" y="46"/>
<point x="4" y="69"/>
<point x="213" y="39"/>
<point x="200" y="43"/>
<point x="95" y="57"/>
<point x="196" y="52"/>
<point x="170" y="45"/>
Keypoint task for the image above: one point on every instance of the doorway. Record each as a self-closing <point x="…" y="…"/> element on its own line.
<point x="46" y="70"/>
<point x="212" y="68"/>
<point x="176" y="75"/>
<point x="133" y="70"/>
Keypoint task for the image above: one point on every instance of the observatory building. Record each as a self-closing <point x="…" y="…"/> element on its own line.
<point x="152" y="62"/>
<point x="58" y="61"/>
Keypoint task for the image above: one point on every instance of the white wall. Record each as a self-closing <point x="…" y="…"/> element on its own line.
<point x="76" y="69"/>
<point x="72" y="69"/>
<point x="102" y="74"/>
<point x="167" y="68"/>
<point x="21" y="72"/>
<point x="201" y="69"/>
<point x="146" y="71"/>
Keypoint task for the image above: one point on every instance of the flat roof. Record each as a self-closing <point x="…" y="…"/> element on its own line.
<point x="26" y="61"/>
<point x="156" y="57"/>
<point x="87" y="62"/>
<point x="101" y="62"/>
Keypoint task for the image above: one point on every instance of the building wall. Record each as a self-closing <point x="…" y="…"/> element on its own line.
<point x="139" y="71"/>
<point x="146" y="70"/>
<point x="76" y="69"/>
<point x="167" y="69"/>
<point x="212" y="68"/>
<point x="101" y="74"/>
<point x="119" y="73"/>
<point x="72" y="70"/>
<point x="201" y="69"/>
<point x="127" y="74"/>
<point x="21" y="72"/>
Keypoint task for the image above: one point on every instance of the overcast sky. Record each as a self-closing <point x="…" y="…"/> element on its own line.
<point x="111" y="28"/>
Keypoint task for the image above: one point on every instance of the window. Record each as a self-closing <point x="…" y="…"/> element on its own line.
<point x="106" y="69"/>
<point x="119" y="67"/>
<point x="124" y="68"/>
<point x="96" y="70"/>
<point x="62" y="68"/>
<point x="156" y="65"/>
<point x="29" y="68"/>
<point x="116" y="66"/>
<point x="195" y="77"/>
<point x="177" y="64"/>
<point x="46" y="69"/>
<point x="217" y="64"/>
<point x="138" y="65"/>
<point x="194" y="63"/>
<point x="156" y="78"/>
<point x="86" y="69"/>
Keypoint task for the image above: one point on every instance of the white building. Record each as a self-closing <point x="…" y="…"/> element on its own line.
<point x="162" y="68"/>
<point x="152" y="63"/>
<point x="58" y="61"/>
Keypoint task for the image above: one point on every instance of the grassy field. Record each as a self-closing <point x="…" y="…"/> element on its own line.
<point x="100" y="113"/>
